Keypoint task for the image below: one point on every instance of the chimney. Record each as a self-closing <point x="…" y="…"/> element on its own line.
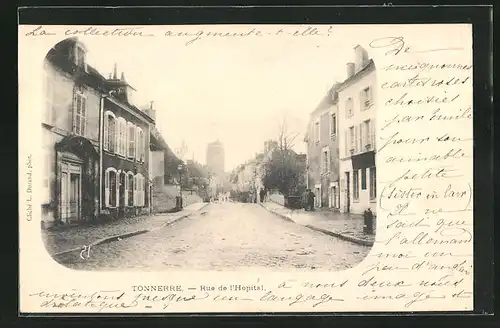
<point x="350" y="69"/>
<point x="361" y="57"/>
<point x="150" y="111"/>
<point x="115" y="72"/>
<point x="123" y="77"/>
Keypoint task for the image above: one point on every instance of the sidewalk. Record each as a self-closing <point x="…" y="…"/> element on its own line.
<point x="340" y="225"/>
<point x="67" y="239"/>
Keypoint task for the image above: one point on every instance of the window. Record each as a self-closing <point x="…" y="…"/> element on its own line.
<point x="140" y="149"/>
<point x="316" y="132"/>
<point x="138" y="190"/>
<point x="130" y="189"/>
<point x="363" y="179"/>
<point x="373" y="183"/>
<point x="109" y="131"/>
<point x="79" y="113"/>
<point x="79" y="56"/>
<point x="367" y="134"/>
<point x="355" y="185"/>
<point x="366" y="98"/>
<point x="325" y="160"/>
<point x="110" y="187"/>
<point x="131" y="140"/>
<point x="333" y="125"/>
<point x="352" y="139"/>
<point x="49" y="96"/>
<point x="121" y="138"/>
<point x="349" y="110"/>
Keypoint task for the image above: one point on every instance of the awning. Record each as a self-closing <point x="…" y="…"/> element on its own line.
<point x="363" y="160"/>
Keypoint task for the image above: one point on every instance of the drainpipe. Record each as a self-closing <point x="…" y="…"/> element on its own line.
<point x="101" y="143"/>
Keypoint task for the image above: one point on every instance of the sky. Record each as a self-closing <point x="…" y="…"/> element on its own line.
<point x="236" y="90"/>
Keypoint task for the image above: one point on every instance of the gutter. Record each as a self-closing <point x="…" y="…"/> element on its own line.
<point x="101" y="143"/>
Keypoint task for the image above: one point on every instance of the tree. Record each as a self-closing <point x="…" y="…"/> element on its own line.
<point x="283" y="170"/>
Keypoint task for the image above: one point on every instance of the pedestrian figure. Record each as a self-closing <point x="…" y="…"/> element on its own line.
<point x="311" y="200"/>
<point x="305" y="199"/>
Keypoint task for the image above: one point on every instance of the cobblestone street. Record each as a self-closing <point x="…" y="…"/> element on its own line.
<point x="225" y="236"/>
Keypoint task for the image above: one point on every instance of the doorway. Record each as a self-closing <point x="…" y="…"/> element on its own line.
<point x="348" y="192"/>
<point x="71" y="192"/>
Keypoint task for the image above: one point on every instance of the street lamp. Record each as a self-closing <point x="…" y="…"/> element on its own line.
<point x="179" y="168"/>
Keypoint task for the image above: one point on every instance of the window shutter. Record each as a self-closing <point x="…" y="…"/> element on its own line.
<point x="135" y="191"/>
<point x="106" y="136"/>
<point x="356" y="132"/>
<point x="74" y="111"/>
<point x="143" y="191"/>
<point x="138" y="148"/>
<point x="362" y="100"/>
<point x="83" y="103"/>
<point x="106" y="189"/>
<point x="373" y="128"/>
<point x="126" y="190"/>
<point x="117" y="189"/>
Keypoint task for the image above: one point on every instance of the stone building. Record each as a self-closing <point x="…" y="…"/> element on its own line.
<point x="356" y="119"/>
<point x="322" y="139"/>
<point x="95" y="141"/>
<point x="125" y="157"/>
<point x="70" y="135"/>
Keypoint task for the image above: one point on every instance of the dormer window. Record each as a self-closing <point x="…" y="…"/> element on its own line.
<point x="79" y="56"/>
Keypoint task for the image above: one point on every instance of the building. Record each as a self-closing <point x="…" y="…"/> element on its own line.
<point x="356" y="119"/>
<point x="125" y="156"/>
<point x="215" y="158"/>
<point x="95" y="141"/>
<point x="322" y="140"/>
<point x="70" y="140"/>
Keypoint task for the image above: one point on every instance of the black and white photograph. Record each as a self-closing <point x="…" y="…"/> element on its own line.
<point x="329" y="162"/>
<point x="231" y="166"/>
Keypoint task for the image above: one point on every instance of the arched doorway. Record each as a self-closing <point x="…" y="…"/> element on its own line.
<point x="77" y="179"/>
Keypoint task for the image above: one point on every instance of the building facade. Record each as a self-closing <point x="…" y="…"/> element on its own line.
<point x="95" y="142"/>
<point x="323" y="151"/>
<point x="356" y="119"/>
<point x="70" y="135"/>
<point x="215" y="159"/>
<point x="125" y="183"/>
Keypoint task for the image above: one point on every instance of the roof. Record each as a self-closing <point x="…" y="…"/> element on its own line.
<point x="59" y="55"/>
<point x="330" y="98"/>
<point x="366" y="69"/>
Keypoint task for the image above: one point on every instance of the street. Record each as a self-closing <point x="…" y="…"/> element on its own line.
<point x="225" y="237"/>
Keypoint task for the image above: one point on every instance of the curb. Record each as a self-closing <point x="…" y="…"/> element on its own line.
<point x="122" y="236"/>
<point x="281" y="216"/>
<point x="327" y="232"/>
<point x="341" y="236"/>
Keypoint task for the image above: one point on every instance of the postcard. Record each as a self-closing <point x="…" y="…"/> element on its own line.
<point x="245" y="168"/>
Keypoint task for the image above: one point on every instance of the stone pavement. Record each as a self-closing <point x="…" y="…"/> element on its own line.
<point x="348" y="227"/>
<point x="224" y="236"/>
<point x="69" y="238"/>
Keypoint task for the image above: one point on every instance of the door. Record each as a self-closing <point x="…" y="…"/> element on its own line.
<point x="333" y="197"/>
<point x="348" y="192"/>
<point x="70" y="192"/>
<point x="121" y="192"/>
<point x="74" y="196"/>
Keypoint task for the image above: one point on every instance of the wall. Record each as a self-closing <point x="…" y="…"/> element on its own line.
<point x="315" y="150"/>
<point x="353" y="90"/>
<point x="58" y="123"/>
<point x="157" y="163"/>
<point x="62" y="104"/>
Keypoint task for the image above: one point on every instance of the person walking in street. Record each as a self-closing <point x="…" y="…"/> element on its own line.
<point x="310" y="199"/>
<point x="305" y="199"/>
